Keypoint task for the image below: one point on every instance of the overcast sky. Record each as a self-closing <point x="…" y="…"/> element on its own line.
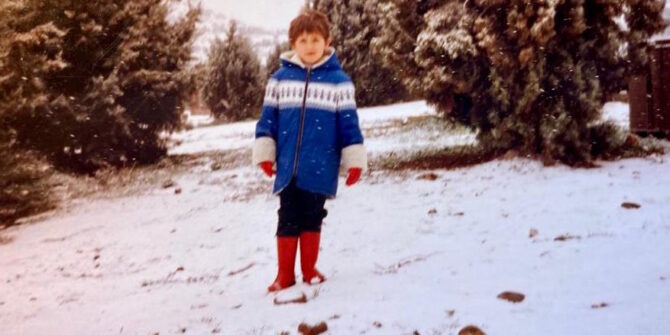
<point x="273" y="14"/>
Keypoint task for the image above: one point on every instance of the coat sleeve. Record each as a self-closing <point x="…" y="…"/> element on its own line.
<point x="354" y="154"/>
<point x="265" y="143"/>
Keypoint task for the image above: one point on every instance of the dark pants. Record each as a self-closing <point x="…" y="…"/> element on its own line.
<point x="299" y="211"/>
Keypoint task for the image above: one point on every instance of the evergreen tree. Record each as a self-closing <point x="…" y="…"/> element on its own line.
<point x="95" y="83"/>
<point x="354" y="24"/>
<point x="196" y="81"/>
<point x="22" y="184"/>
<point x="273" y="62"/>
<point x="531" y="75"/>
<point x="234" y="85"/>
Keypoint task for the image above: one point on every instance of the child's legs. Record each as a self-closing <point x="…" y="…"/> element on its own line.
<point x="313" y="211"/>
<point x="289" y="211"/>
<point x="299" y="211"/>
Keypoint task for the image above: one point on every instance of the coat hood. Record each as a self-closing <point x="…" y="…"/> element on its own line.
<point x="329" y="61"/>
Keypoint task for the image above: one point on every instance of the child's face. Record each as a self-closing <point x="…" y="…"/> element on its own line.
<point x="310" y="47"/>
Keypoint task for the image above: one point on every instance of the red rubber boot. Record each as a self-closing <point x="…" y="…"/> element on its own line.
<point x="309" y="252"/>
<point x="286" y="251"/>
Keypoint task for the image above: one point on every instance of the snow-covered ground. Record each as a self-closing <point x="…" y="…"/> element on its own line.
<point x="408" y="252"/>
<point x="376" y="121"/>
<point x="617" y="112"/>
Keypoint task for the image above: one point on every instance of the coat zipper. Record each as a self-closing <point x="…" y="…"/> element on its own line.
<point x="301" y="125"/>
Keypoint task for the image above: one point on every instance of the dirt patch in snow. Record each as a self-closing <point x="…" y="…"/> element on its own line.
<point x="302" y="299"/>
<point x="471" y="330"/>
<point x="600" y="305"/>
<point x="317" y="329"/>
<point x="630" y="205"/>
<point x="112" y="183"/>
<point x="5" y="239"/>
<point x="411" y="124"/>
<point x="566" y="237"/>
<point x="513" y="297"/>
<point x="447" y="158"/>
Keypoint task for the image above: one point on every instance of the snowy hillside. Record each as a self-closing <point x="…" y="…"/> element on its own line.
<point x="214" y="25"/>
<point x="405" y="252"/>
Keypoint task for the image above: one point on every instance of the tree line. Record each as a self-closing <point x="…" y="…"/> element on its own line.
<point x="102" y="83"/>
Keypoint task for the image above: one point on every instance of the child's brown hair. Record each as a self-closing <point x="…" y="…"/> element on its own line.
<point x="309" y="21"/>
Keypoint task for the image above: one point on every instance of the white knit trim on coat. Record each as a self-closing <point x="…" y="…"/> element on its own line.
<point x="265" y="149"/>
<point x="354" y="156"/>
<point x="326" y="96"/>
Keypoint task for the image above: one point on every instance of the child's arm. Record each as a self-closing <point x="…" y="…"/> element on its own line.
<point x="265" y="146"/>
<point x="354" y="155"/>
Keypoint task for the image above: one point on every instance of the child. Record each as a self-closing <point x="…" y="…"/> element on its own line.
<point x="308" y="131"/>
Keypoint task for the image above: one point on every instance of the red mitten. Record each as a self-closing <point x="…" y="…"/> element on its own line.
<point x="267" y="168"/>
<point x="354" y="176"/>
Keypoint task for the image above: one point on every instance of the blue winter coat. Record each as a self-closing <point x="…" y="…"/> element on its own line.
<point x="310" y="113"/>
